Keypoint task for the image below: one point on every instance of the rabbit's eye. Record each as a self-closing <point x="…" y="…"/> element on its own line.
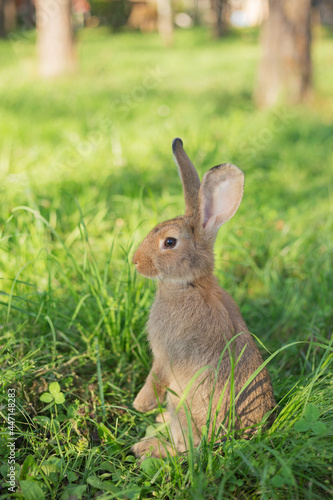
<point x="170" y="242"/>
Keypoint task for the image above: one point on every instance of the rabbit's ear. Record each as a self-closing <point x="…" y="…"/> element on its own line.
<point x="220" y="195"/>
<point x="189" y="176"/>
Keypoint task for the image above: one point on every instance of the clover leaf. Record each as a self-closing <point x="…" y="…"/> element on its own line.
<point x="310" y="421"/>
<point x="54" y="395"/>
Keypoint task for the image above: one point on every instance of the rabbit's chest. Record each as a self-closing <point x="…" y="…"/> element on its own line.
<point x="175" y="334"/>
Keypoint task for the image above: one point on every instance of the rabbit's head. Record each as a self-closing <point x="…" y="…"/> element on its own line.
<point x="181" y="250"/>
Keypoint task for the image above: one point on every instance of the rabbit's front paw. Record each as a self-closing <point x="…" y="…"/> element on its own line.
<point x="161" y="418"/>
<point x="145" y="400"/>
<point x="152" y="447"/>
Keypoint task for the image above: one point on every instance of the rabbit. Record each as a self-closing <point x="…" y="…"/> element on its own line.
<point x="192" y="320"/>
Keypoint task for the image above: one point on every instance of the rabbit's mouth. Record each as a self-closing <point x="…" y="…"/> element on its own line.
<point x="146" y="269"/>
<point x="146" y="274"/>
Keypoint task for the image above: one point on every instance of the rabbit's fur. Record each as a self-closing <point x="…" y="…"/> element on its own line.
<point x="192" y="319"/>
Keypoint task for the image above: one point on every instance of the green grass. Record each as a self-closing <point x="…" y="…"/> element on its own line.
<point x="86" y="170"/>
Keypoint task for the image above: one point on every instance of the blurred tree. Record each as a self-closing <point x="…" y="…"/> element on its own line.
<point x="26" y="12"/>
<point x="7" y="17"/>
<point x="220" y="11"/>
<point x="165" y="20"/>
<point x="114" y="13"/>
<point x="2" y="19"/>
<point x="325" y="8"/>
<point x="54" y="37"/>
<point x="196" y="13"/>
<point x="143" y="16"/>
<point x="285" y="69"/>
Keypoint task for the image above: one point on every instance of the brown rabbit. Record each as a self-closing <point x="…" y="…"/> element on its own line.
<point x="198" y="337"/>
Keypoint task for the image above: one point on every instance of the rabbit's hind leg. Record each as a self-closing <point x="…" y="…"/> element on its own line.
<point x="179" y="431"/>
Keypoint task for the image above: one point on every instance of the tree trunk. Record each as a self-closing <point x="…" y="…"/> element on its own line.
<point x="8" y="15"/>
<point x="325" y="8"/>
<point x="2" y="19"/>
<point x="285" y="69"/>
<point x="28" y="17"/>
<point x="196" y="13"/>
<point x="55" y="37"/>
<point x="165" y="20"/>
<point x="219" y="8"/>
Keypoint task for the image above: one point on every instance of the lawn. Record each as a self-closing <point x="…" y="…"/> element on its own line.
<point x="87" y="170"/>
